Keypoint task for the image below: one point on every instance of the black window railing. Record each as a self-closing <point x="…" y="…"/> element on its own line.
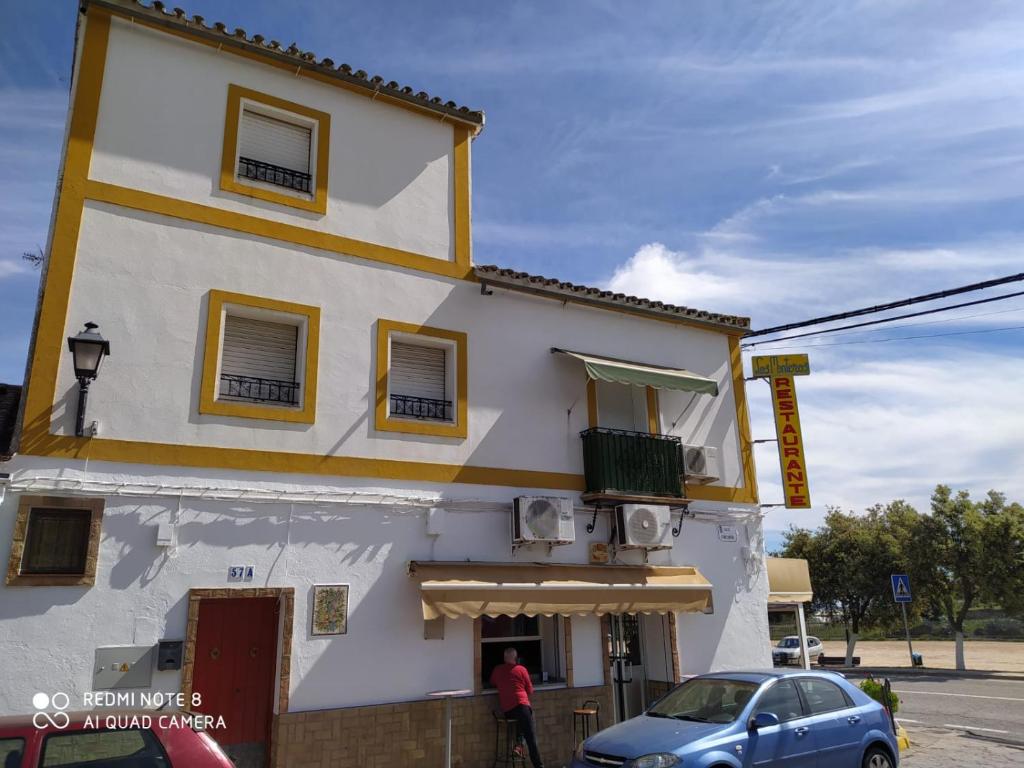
<point x="274" y="174"/>
<point x="636" y="463"/>
<point x="427" y="408"/>
<point x="259" y="390"/>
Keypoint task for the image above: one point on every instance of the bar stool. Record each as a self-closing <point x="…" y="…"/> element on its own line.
<point x="506" y="738"/>
<point x="581" y="718"/>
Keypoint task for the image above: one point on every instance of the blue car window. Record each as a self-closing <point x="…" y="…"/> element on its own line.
<point x="705" y="700"/>
<point x="781" y="700"/>
<point x="822" y="696"/>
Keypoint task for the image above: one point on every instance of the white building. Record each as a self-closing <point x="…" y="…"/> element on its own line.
<point x="311" y="382"/>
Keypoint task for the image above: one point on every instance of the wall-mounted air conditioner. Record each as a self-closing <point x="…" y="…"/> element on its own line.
<point x="543" y="520"/>
<point x="643" y="526"/>
<point x="700" y="464"/>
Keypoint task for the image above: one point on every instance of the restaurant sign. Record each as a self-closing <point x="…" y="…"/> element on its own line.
<point x="780" y="371"/>
<point x="766" y="366"/>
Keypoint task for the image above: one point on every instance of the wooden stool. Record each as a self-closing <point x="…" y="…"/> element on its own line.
<point x="506" y="738"/>
<point x="581" y="721"/>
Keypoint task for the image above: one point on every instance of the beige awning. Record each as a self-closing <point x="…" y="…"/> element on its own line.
<point x="789" y="580"/>
<point x="509" y="589"/>
<point x="626" y="372"/>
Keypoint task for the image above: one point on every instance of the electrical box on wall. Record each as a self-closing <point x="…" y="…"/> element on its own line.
<point x="168" y="655"/>
<point x="123" y="666"/>
<point x="166" y="535"/>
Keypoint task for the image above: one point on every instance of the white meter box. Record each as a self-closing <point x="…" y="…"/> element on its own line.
<point x="123" y="666"/>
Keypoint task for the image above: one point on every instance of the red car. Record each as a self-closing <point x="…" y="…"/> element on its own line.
<point x="107" y="739"/>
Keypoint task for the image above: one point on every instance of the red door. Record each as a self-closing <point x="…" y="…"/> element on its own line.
<point x="235" y="665"/>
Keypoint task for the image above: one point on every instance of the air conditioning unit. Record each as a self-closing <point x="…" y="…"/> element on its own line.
<point x="543" y="519"/>
<point x="643" y="526"/>
<point x="700" y="464"/>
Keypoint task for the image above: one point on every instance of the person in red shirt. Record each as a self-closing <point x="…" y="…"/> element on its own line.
<point x="514" y="689"/>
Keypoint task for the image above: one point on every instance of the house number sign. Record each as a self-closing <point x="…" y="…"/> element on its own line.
<point x="241" y="572"/>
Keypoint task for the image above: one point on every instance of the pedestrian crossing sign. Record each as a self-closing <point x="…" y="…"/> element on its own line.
<point x="901" y="588"/>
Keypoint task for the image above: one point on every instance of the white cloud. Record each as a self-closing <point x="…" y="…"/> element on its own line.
<point x="10" y="267"/>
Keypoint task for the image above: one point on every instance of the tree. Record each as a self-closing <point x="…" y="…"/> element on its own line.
<point x="969" y="552"/>
<point x="850" y="558"/>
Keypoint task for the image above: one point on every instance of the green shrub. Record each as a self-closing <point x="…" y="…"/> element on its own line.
<point x="876" y="691"/>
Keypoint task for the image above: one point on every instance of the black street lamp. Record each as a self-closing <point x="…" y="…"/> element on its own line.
<point x="88" y="349"/>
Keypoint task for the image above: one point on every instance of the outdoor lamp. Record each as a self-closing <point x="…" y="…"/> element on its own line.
<point x="88" y="349"/>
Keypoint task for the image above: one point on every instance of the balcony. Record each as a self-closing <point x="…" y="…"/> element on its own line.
<point x="259" y="390"/>
<point x="274" y="174"/>
<point x="624" y="466"/>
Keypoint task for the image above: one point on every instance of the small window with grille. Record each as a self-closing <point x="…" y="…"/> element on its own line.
<point x="275" y="150"/>
<point x="421" y="380"/>
<point x="259" y="361"/>
<point x="260" y="358"/>
<point x="418" y="381"/>
<point x="55" y="541"/>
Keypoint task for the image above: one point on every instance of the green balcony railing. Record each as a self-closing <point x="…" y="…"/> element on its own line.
<point x="634" y="463"/>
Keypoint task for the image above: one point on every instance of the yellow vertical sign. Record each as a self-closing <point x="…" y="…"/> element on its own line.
<point x="791" y="444"/>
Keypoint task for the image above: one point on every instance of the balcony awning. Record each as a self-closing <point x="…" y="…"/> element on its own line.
<point x="642" y="374"/>
<point x="456" y="589"/>
<point x="789" y="581"/>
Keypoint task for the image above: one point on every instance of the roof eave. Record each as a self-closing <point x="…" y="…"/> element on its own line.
<point x="488" y="278"/>
<point x="133" y="10"/>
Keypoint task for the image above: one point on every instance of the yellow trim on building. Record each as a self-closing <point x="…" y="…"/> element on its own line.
<point x="149" y="202"/>
<point x="247" y="460"/>
<point x="653" y="422"/>
<point x="208" y="400"/>
<point x="462" y="216"/>
<point x="48" y="343"/>
<point x="385" y="423"/>
<point x="229" y="181"/>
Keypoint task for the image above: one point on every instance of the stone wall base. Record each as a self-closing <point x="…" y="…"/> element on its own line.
<point x="412" y="733"/>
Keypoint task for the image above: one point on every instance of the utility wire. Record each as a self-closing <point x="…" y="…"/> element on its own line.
<point x="904" y="338"/>
<point x="891" y="305"/>
<point x="923" y="312"/>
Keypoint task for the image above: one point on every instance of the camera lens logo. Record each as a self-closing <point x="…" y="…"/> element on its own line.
<point x="58" y="719"/>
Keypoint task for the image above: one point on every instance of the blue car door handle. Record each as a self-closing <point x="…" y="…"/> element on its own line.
<point x="853" y="719"/>
<point x="801" y="730"/>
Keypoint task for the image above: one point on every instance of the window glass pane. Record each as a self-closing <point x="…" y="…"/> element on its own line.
<point x="706" y="700"/>
<point x="782" y="701"/>
<point x="57" y="541"/>
<point x="509" y="626"/>
<point x="89" y="749"/>
<point x="539" y="642"/>
<point x="11" y="751"/>
<point x="822" y="696"/>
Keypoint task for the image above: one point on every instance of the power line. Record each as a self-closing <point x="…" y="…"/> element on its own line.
<point x="903" y="338"/>
<point x="891" y="305"/>
<point x="923" y="312"/>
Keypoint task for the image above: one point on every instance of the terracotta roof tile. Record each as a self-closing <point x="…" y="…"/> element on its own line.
<point x="157" y="12"/>
<point x="510" y="278"/>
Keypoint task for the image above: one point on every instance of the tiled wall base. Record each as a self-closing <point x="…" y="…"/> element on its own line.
<point x="412" y="733"/>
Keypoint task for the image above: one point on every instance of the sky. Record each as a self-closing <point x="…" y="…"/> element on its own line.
<point x="780" y="160"/>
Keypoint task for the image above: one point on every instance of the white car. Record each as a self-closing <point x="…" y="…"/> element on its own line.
<point x="788" y="650"/>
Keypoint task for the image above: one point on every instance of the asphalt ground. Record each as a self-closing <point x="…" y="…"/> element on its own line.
<point x="987" y="706"/>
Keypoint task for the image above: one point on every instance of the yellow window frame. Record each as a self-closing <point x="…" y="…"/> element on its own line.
<point x="208" y="401"/>
<point x="229" y="181"/>
<point x="385" y="423"/>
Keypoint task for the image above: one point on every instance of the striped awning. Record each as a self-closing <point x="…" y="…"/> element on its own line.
<point x="642" y="374"/>
<point x="509" y="589"/>
<point x="789" y="580"/>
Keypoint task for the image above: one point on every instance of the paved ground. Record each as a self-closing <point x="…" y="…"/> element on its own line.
<point x="931" y="748"/>
<point x="939" y="654"/>
<point x="960" y="721"/>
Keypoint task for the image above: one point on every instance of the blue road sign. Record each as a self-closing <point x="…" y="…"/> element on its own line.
<point x="901" y="588"/>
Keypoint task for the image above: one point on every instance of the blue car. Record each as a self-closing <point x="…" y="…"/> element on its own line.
<point x="797" y="719"/>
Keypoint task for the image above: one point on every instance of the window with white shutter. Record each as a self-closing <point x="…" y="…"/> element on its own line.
<point x="258" y="361"/>
<point x="418" y="382"/>
<point x="274" y="150"/>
